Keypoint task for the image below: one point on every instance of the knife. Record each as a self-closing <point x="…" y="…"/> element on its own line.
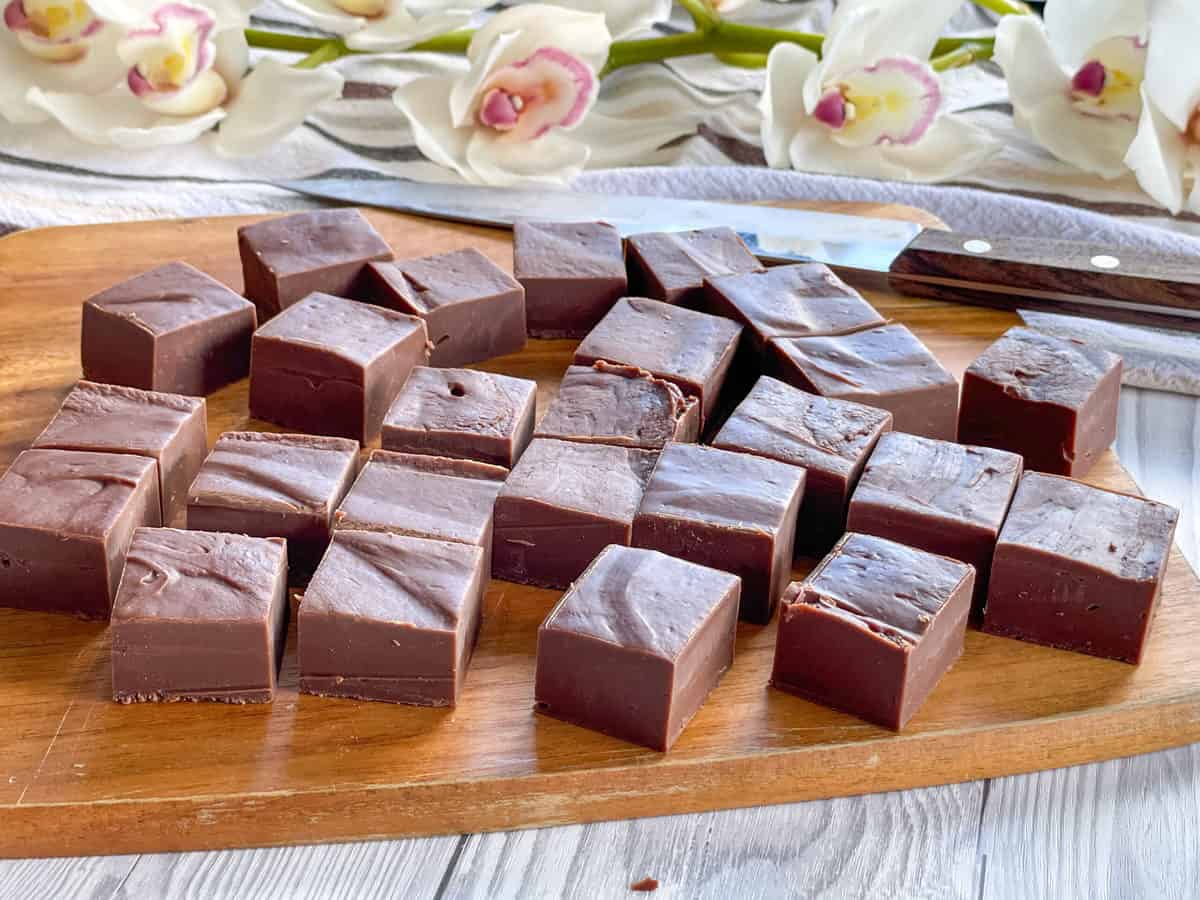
<point x="1007" y="273"/>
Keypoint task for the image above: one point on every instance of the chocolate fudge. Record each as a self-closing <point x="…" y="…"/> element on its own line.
<point x="474" y="310"/>
<point x="672" y="266"/>
<point x="170" y="429"/>
<point x="1051" y="399"/>
<point x="873" y="629"/>
<point x="66" y="519"/>
<point x="327" y="365"/>
<point x="572" y="272"/>
<point x="1079" y="567"/>
<point x="464" y="414"/>
<point x="274" y="485"/>
<point x="829" y="439"/>
<point x="199" y="616"/>
<point x="171" y="329"/>
<point x="324" y="251"/>
<point x="731" y="511"/>
<point x="636" y="645"/>
<point x="885" y="367"/>
<point x="563" y="503"/>
<point x="621" y="405"/>
<point x="391" y="617"/>
<point x="690" y="349"/>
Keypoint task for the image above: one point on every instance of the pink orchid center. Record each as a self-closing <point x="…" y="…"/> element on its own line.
<point x="831" y="109"/>
<point x="894" y="101"/>
<point x="170" y="63"/>
<point x="52" y="30"/>
<point x="550" y="89"/>
<point x="1108" y="85"/>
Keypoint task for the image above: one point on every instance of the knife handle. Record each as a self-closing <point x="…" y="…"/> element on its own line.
<point x="1058" y="276"/>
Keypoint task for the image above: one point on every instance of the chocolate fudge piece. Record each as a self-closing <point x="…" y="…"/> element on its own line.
<point x="884" y="367"/>
<point x="1079" y="567"/>
<point x="332" y="366"/>
<point x="1051" y="399"/>
<point x="803" y="300"/>
<point x="563" y="503"/>
<point x="170" y="429"/>
<point x="829" y="439"/>
<point x="474" y="310"/>
<point x="731" y="511"/>
<point x="636" y="645"/>
<point x="391" y="617"/>
<point x="199" y="616"/>
<point x="66" y="519"/>
<point x="690" y="349"/>
<point x="288" y="258"/>
<point x="274" y="485"/>
<point x="873" y="629"/>
<point x="572" y="272"/>
<point x="620" y="405"/>
<point x="672" y="266"/>
<point x="171" y="329"/>
<point x="938" y="496"/>
<point x="463" y="414"/>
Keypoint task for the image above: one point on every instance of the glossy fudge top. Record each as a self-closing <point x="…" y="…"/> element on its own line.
<point x="110" y="416"/>
<point x="1123" y="535"/>
<point x="305" y="241"/>
<point x="1042" y="368"/>
<point x="461" y="400"/>
<point x="641" y="600"/>
<point x="681" y="260"/>
<point x="567" y="250"/>
<point x="168" y="298"/>
<point x="433" y="281"/>
<point x="592" y="478"/>
<point x="357" y="332"/>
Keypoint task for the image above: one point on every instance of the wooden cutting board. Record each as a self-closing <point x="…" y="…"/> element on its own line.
<point x="80" y="774"/>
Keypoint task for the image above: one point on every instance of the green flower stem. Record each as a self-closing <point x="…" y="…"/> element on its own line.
<point x="452" y="42"/>
<point x="274" y="40"/>
<point x="743" y="60"/>
<point x="702" y="14"/>
<point x="1005" y="7"/>
<point x="327" y="52"/>
<point x="963" y="56"/>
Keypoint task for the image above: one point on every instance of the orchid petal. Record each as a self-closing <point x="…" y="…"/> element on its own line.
<point x="864" y="31"/>
<point x="397" y="30"/>
<point x="256" y="119"/>
<point x="325" y="15"/>
<point x="624" y="17"/>
<point x="232" y="59"/>
<point x="782" y="105"/>
<point x="136" y="13"/>
<point x="120" y="119"/>
<point x="537" y="25"/>
<point x="895" y="100"/>
<point x="1158" y="155"/>
<point x="421" y="8"/>
<point x="1172" y="63"/>
<point x="554" y="158"/>
<point x="425" y="102"/>
<point x="96" y="72"/>
<point x="1073" y="32"/>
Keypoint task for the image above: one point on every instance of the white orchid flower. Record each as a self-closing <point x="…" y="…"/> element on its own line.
<point x="624" y="18"/>
<point x="382" y="26"/>
<point x="871" y="106"/>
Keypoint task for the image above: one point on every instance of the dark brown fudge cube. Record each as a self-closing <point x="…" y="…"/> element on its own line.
<point x="170" y="429"/>
<point x="391" y="617"/>
<point x="274" y="485"/>
<point x="464" y="414"/>
<point x="884" y="367"/>
<point x="829" y="439"/>
<point x="873" y="629"/>
<point x="572" y="272"/>
<point x="332" y="366"/>
<point x="199" y="616"/>
<point x="938" y="496"/>
<point x="66" y="519"/>
<point x="563" y="503"/>
<point x="620" y="405"/>
<point x="286" y="259"/>
<point x="474" y="310"/>
<point x="690" y="349"/>
<point x="636" y="645"/>
<point x="1051" y="399"/>
<point x="672" y="266"/>
<point x="731" y="511"/>
<point x="1079" y="567"/>
<point x="171" y="329"/>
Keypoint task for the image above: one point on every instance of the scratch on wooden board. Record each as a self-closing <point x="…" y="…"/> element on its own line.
<point x="46" y="755"/>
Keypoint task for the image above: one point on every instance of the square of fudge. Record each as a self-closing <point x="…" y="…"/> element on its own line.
<point x="1079" y="567"/>
<point x="474" y="310"/>
<point x="731" y="511"/>
<point x="66" y="520"/>
<point x="672" y="266"/>
<point x="274" y="485"/>
<point x="171" y="329"/>
<point x="463" y="414"/>
<point x="690" y="349"/>
<point x="886" y="367"/>
<point x="327" y="365"/>
<point x="1052" y="399"/>
<point x="199" y="616"/>
<point x="170" y="429"/>
<point x="803" y="300"/>
<point x="621" y="405"/>
<point x="829" y="439"/>
<point x="572" y="272"/>
<point x="937" y="496"/>
<point x="873" y="629"/>
<point x="636" y="645"/>
<point x="391" y="617"/>
<point x="287" y="258"/>
<point x="562" y="504"/>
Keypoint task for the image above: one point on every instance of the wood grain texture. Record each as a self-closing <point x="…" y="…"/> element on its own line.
<point x="92" y="878"/>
